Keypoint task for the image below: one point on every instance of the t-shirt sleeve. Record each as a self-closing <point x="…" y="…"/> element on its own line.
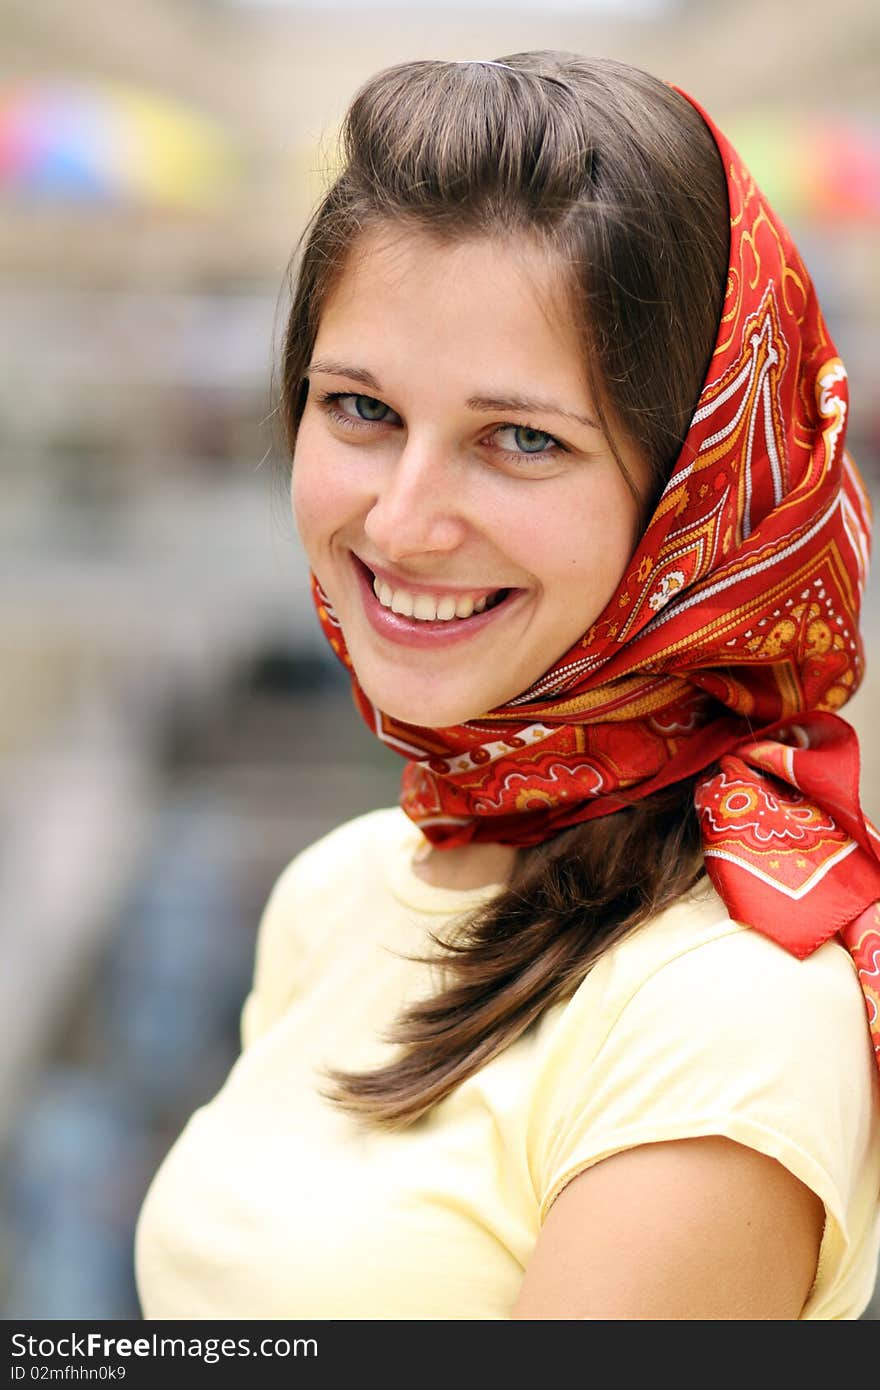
<point x="732" y="1037"/>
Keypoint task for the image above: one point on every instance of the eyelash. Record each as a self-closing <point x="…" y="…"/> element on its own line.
<point x="326" y="399"/>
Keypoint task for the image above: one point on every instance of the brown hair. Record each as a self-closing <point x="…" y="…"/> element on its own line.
<point x="618" y="178"/>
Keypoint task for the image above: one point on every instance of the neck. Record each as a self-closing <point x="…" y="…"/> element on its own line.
<point x="468" y="866"/>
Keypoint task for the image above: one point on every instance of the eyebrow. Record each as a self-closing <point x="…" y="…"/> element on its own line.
<point x="524" y="404"/>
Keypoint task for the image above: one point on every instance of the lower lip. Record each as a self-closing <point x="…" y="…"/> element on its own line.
<point x="421" y="632"/>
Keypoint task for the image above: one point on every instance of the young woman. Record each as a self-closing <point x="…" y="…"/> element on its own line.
<point x="579" y="1029"/>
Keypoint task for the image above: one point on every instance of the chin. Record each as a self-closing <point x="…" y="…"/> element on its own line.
<point x="419" y="710"/>
<point x="425" y="716"/>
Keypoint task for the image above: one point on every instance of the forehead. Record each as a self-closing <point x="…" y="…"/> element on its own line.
<point x="480" y="294"/>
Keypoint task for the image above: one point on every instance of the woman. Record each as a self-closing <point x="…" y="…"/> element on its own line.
<point x="568" y="465"/>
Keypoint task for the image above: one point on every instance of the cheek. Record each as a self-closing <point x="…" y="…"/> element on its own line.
<point x="306" y="499"/>
<point x="321" y="493"/>
<point x="583" y="549"/>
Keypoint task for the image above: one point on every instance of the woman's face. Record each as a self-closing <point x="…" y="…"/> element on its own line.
<point x="448" y="454"/>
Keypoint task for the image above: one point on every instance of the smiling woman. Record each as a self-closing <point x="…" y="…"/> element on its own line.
<point x="425" y="489"/>
<point x="567" y="437"/>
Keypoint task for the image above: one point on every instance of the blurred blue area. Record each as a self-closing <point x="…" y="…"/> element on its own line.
<point x="159" y="1028"/>
<point x="173" y="983"/>
<point x="155" y="1029"/>
<point x="71" y="1178"/>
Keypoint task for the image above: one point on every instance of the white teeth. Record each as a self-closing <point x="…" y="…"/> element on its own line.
<point x="426" y="607"/>
<point x="402" y="603"/>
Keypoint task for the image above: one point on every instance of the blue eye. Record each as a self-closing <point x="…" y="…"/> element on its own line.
<point x="368" y="408"/>
<point x="350" y="410"/>
<point x="532" y="441"/>
<point x="529" y="442"/>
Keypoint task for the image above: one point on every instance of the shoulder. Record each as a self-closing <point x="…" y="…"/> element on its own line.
<point x="336" y="858"/>
<point x="318" y="889"/>
<point x="697" y="1027"/>
<point x="697" y="1024"/>
<point x="701" y="968"/>
<point x="343" y="864"/>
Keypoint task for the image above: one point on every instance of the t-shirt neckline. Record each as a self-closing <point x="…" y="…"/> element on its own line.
<point x="409" y="888"/>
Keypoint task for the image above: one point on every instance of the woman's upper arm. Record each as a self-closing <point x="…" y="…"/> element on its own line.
<point x="704" y="1229"/>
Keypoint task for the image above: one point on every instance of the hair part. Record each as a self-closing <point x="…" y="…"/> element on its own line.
<point x="617" y="178"/>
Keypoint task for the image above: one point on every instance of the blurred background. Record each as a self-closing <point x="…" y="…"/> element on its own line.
<point x="166" y="696"/>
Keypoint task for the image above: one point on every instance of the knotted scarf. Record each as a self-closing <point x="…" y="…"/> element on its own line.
<point x="731" y="640"/>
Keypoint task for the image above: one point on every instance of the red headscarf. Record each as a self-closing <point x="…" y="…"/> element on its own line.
<point x="732" y="638"/>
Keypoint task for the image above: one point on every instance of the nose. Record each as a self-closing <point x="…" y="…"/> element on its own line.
<point x="417" y="507"/>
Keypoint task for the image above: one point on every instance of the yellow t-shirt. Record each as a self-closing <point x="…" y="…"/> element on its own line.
<point x="274" y="1203"/>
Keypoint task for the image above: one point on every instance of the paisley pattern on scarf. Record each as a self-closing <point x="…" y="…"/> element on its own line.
<point x="732" y="639"/>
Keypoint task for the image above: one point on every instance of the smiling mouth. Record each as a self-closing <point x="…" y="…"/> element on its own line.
<point x="436" y="610"/>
